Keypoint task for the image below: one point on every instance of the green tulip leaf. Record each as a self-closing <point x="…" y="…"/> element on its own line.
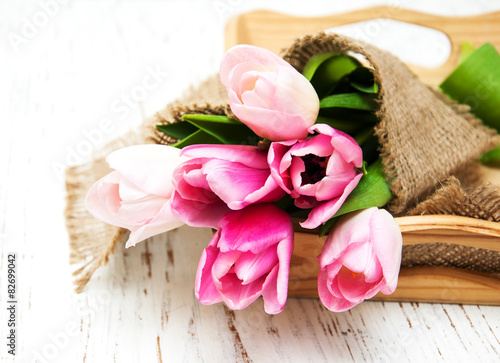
<point x="212" y="118"/>
<point x="314" y="62"/>
<point x="476" y="82"/>
<point x="228" y="133"/>
<point x="331" y="72"/>
<point x="349" y="114"/>
<point x="371" y="191"/>
<point x="358" y="101"/>
<point x="198" y="137"/>
<point x="371" y="149"/>
<point x="216" y="129"/>
<point x="362" y="79"/>
<point x="364" y="135"/>
<point x="466" y="49"/>
<point x="179" y="130"/>
<point x="492" y="156"/>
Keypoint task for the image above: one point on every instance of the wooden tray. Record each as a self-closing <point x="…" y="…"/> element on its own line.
<point x="276" y="31"/>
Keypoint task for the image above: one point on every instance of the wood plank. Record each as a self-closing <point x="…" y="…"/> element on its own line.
<point x="426" y="284"/>
<point x="276" y="31"/>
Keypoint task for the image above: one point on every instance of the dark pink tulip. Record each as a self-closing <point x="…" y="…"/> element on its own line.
<point x="248" y="256"/>
<point x="318" y="172"/>
<point x="220" y="178"/>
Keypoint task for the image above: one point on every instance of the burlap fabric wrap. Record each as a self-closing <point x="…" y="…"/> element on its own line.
<point x="426" y="139"/>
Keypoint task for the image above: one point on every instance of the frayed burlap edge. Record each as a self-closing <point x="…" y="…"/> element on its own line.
<point x="461" y="198"/>
<point x="453" y="198"/>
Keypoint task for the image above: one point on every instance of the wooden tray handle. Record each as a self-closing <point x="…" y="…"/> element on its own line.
<point x="276" y="31"/>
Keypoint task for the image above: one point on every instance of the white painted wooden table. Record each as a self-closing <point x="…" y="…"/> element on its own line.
<point x="74" y="74"/>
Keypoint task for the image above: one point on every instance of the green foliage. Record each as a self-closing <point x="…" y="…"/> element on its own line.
<point x="371" y="191"/>
<point x="209" y="129"/>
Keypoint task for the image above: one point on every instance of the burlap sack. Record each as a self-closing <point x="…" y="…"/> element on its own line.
<point x="425" y="138"/>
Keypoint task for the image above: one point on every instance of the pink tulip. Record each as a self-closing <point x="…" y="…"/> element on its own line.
<point x="136" y="196"/>
<point x="248" y="256"/>
<point x="220" y="178"/>
<point x="267" y="94"/>
<point x="318" y="172"/>
<point x="361" y="256"/>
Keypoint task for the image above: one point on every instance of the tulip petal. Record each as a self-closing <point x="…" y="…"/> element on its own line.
<point x="387" y="244"/>
<point x="198" y="214"/>
<point x="357" y="256"/>
<point x="191" y="171"/>
<point x="238" y="185"/>
<point x="276" y="126"/>
<point x="238" y="296"/>
<point x="262" y="92"/>
<point x="275" y="294"/>
<point x="249" y="267"/>
<point x="140" y="212"/>
<point x="164" y="221"/>
<point x="289" y="101"/>
<point x="247" y="155"/>
<point x="278" y="164"/>
<point x="331" y="187"/>
<point x="330" y="301"/>
<point x="338" y="168"/>
<point x="149" y="166"/>
<point x="353" y="287"/>
<point x="254" y="228"/>
<point x="332" y="281"/>
<point x="103" y="201"/>
<point x="326" y="210"/>
<point x="273" y="303"/>
<point x="344" y="143"/>
<point x="205" y="290"/>
<point x="373" y="272"/>
<point x="319" y="145"/>
<point x="261" y="59"/>
<point x="223" y="264"/>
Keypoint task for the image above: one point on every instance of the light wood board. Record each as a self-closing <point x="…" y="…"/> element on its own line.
<point x="275" y="31"/>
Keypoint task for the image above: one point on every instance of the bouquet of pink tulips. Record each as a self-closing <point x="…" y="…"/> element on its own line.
<point x="299" y="146"/>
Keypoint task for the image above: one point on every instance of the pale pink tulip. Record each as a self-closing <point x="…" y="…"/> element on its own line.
<point x="136" y="196"/>
<point x="220" y="178"/>
<point x="248" y="256"/>
<point x="361" y="256"/>
<point x="318" y="172"/>
<point x="267" y="94"/>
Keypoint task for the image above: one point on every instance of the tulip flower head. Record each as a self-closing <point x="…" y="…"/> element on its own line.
<point x="221" y="178"/>
<point x="267" y="94"/>
<point x="361" y="257"/>
<point x="248" y="256"/>
<point x="136" y="196"/>
<point x="318" y="172"/>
